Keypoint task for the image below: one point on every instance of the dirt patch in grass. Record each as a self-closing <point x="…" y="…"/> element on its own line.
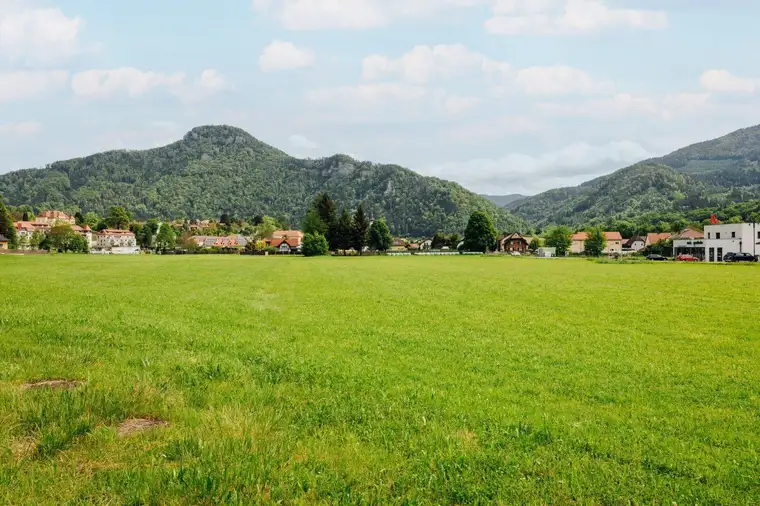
<point x="135" y="425"/>
<point x="56" y="384"/>
<point x="23" y="448"/>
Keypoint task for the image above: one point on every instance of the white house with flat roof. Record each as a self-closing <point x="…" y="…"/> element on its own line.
<point x="731" y="238"/>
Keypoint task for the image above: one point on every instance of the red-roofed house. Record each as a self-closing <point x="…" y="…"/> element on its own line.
<point x="50" y="218"/>
<point x="654" y="238"/>
<point x="25" y="230"/>
<point x="287" y="241"/>
<point x="614" y="243"/>
<point x="85" y="232"/>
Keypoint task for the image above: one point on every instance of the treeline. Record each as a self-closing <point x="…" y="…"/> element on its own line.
<point x="325" y="230"/>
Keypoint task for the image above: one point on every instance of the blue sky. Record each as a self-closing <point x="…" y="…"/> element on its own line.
<point x="503" y="96"/>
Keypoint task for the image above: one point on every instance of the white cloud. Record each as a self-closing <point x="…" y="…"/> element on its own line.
<point x="560" y="80"/>
<point x="134" y="83"/>
<point x="353" y="14"/>
<point x="285" y="56"/>
<point x="301" y="145"/>
<point x="424" y="63"/>
<point x="37" y="35"/>
<point x="521" y="173"/>
<point x="453" y="104"/>
<point x="499" y="127"/>
<point x="211" y="80"/>
<point x="724" y="81"/>
<point x="627" y="105"/>
<point x="23" y="128"/>
<point x="23" y="85"/>
<point x="565" y="17"/>
<point x="367" y="96"/>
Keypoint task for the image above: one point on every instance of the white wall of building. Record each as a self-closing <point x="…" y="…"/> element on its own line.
<point x="731" y="238"/>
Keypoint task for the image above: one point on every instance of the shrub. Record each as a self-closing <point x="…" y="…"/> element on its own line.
<point x="315" y="245"/>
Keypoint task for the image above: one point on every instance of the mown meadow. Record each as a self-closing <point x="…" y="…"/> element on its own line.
<point x="437" y="380"/>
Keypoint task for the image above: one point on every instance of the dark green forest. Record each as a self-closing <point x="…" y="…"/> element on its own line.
<point x="709" y="175"/>
<point x="222" y="169"/>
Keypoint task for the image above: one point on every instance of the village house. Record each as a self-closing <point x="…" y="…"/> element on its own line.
<point x="398" y="244"/>
<point x="25" y="230"/>
<point x="689" y="241"/>
<point x="720" y="240"/>
<point x="635" y="244"/>
<point x="286" y="241"/>
<point x="3" y="242"/>
<point x="654" y="238"/>
<point x="614" y="243"/>
<point x="120" y="242"/>
<point x="85" y="232"/>
<point x="50" y="218"/>
<point x="514" y="243"/>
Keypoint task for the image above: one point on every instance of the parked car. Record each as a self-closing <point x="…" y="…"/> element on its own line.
<point x="656" y="258"/>
<point x="739" y="257"/>
<point x="687" y="258"/>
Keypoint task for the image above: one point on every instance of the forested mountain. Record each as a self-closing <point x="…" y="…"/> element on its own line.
<point x="504" y="200"/>
<point x="222" y="169"/>
<point x="708" y="174"/>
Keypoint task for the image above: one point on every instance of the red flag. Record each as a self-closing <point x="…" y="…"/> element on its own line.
<point x="714" y="220"/>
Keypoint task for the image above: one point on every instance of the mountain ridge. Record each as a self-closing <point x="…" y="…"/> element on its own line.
<point x="708" y="173"/>
<point x="215" y="169"/>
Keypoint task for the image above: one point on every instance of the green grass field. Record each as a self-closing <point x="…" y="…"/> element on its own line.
<point x="432" y="380"/>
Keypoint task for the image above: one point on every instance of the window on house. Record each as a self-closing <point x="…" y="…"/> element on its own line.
<point x="717" y="235"/>
<point x="708" y="235"/>
<point x="733" y="235"/>
<point x="720" y="254"/>
<point x="712" y="254"/>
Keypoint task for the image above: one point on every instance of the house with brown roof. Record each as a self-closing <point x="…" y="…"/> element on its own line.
<point x="654" y="238"/>
<point x="286" y="241"/>
<point x="85" y="232"/>
<point x="614" y="243"/>
<point x="398" y="244"/>
<point x="26" y="229"/>
<point x="50" y="218"/>
<point x="3" y="242"/>
<point x="689" y="241"/>
<point x="514" y="243"/>
<point x="636" y="243"/>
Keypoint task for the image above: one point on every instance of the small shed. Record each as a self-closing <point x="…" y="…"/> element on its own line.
<point x="546" y="252"/>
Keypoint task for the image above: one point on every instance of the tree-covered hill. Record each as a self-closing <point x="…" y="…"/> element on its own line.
<point x="222" y="169"/>
<point x="504" y="200"/>
<point x="712" y="173"/>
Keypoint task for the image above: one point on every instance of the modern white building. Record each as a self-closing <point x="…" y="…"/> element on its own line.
<point x="731" y="238"/>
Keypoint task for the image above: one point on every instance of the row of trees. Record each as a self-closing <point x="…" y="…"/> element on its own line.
<point x="322" y="226"/>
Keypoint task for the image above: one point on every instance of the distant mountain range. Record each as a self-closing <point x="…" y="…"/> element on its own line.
<point x="504" y="200"/>
<point x="222" y="169"/>
<point x="712" y="173"/>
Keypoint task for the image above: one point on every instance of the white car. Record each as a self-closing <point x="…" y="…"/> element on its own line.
<point x="516" y="254"/>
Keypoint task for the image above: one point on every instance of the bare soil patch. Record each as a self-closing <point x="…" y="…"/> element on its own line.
<point x="56" y="384"/>
<point x="135" y="425"/>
